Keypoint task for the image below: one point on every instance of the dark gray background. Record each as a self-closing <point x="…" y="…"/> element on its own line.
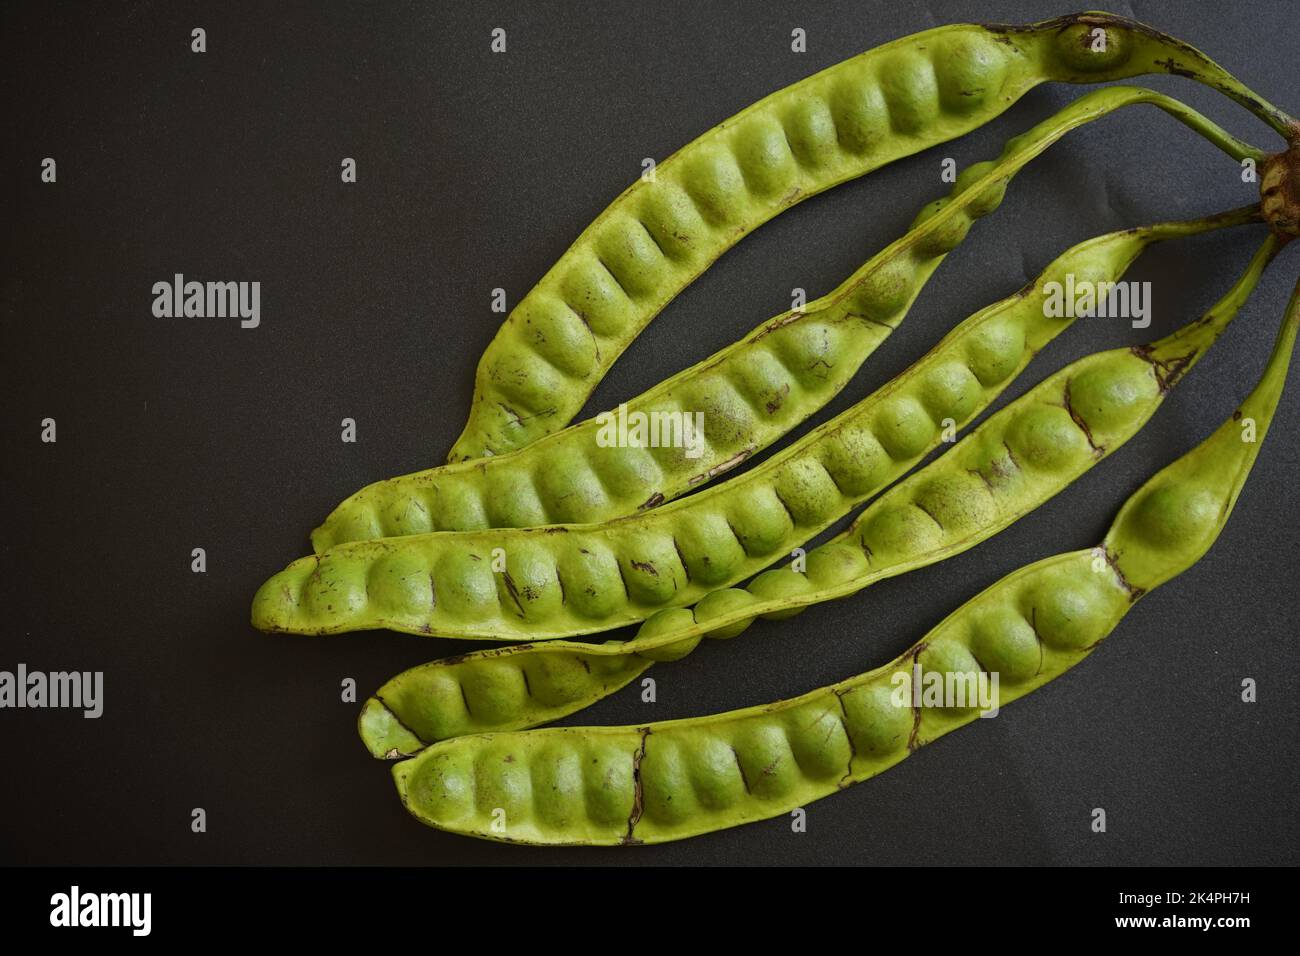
<point x="476" y="171"/>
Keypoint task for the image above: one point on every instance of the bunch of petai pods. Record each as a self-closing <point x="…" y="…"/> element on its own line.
<point x="538" y="532"/>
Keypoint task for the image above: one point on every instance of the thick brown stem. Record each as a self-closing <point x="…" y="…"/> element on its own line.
<point x="1279" y="189"/>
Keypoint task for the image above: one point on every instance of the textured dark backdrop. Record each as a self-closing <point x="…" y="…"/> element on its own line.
<point x="475" y="171"/>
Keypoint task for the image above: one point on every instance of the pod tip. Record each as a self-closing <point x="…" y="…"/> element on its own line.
<point x="383" y="734"/>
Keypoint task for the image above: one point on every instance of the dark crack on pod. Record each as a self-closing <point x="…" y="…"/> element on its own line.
<point x="638" y="791"/>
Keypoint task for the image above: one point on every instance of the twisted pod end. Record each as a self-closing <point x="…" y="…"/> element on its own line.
<point x="383" y="734"/>
<point x="1279" y="190"/>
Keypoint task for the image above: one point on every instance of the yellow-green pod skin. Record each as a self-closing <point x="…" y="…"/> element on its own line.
<point x="749" y="393"/>
<point x="682" y="778"/>
<point x="607" y="786"/>
<point x="1018" y="458"/>
<point x="755" y="390"/>
<point x="509" y="584"/>
<point x="663" y="231"/>
<point x="1174" y="518"/>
